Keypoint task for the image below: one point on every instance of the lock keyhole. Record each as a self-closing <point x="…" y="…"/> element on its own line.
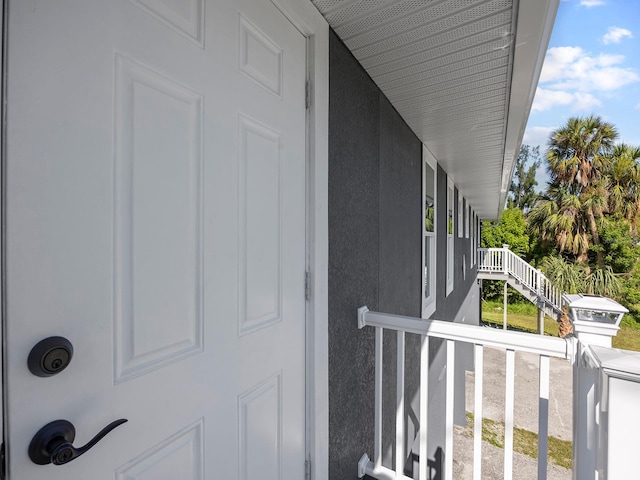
<point x="50" y="356"/>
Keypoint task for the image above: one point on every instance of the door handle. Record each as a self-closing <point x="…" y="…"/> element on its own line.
<point x="54" y="442"/>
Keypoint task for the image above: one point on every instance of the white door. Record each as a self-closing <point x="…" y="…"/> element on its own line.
<point x="155" y="218"/>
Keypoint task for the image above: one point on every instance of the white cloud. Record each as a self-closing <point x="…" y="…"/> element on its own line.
<point x="574" y="68"/>
<point x="537" y="136"/>
<point x="615" y="35"/>
<point x="573" y="77"/>
<point x="592" y="3"/>
<point x="585" y="101"/>
<point x="638" y="107"/>
<point x="556" y="61"/>
<point x="546" y="99"/>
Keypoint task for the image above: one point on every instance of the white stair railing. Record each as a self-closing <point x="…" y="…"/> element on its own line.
<point x="480" y="337"/>
<point x="503" y="261"/>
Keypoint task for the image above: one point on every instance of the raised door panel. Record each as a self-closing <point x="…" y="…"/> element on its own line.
<point x="157" y="224"/>
<point x="185" y="17"/>
<point x="179" y="456"/>
<point x="260" y="431"/>
<point x="260" y="226"/>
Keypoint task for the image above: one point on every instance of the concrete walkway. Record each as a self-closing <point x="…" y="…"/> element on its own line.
<point x="525" y="414"/>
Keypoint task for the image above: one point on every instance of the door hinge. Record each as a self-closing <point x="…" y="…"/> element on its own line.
<point x="307" y="94"/>
<point x="307" y="469"/>
<point x="3" y="464"/>
<point x="307" y="286"/>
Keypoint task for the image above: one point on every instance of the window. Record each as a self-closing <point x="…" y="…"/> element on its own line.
<point x="460" y="214"/>
<point x="450" y="239"/>
<point x="429" y="228"/>
<point x="474" y="246"/>
<point x="478" y="236"/>
<point x="467" y="220"/>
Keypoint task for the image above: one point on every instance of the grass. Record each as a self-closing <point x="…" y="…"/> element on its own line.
<point x="628" y="337"/>
<point x="524" y="441"/>
<point x="520" y="316"/>
<point x="523" y="317"/>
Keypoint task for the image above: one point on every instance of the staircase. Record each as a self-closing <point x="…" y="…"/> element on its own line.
<point x="503" y="264"/>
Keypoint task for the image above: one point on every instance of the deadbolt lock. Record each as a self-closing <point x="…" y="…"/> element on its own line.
<point x="50" y="356"/>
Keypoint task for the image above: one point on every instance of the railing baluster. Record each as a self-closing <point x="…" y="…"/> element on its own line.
<point x="543" y="418"/>
<point x="508" y="414"/>
<point x="400" y="404"/>
<point x="477" y="414"/>
<point x="377" y="427"/>
<point x="424" y="401"/>
<point x="545" y="347"/>
<point x="448" y="416"/>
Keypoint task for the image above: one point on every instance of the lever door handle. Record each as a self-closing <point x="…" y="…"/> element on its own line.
<point x="54" y="442"/>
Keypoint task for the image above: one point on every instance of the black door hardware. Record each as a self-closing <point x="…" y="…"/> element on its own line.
<point x="54" y="442"/>
<point x="50" y="356"/>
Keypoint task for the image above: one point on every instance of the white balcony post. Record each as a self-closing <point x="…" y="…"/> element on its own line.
<point x="504" y="307"/>
<point x="595" y="319"/>
<point x="585" y="427"/>
<point x="540" y="318"/>
<point x="505" y="252"/>
<point x="606" y="386"/>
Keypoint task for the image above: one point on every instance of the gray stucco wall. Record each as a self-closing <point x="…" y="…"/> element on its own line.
<point x="375" y="259"/>
<point x="374" y="252"/>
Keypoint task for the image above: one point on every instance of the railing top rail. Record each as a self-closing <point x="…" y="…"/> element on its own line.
<point x="520" y="341"/>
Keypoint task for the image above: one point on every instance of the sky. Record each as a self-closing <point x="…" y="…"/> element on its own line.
<point x="592" y="66"/>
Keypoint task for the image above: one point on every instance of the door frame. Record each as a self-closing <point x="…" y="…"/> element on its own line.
<point x="3" y="203"/>
<point x="306" y="18"/>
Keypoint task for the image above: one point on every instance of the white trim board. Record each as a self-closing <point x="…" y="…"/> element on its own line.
<point x="313" y="25"/>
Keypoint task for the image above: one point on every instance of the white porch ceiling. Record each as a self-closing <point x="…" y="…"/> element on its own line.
<point x="462" y="73"/>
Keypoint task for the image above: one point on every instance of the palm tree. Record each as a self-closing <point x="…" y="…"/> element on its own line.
<point x="574" y="278"/>
<point x="577" y="149"/>
<point x="623" y="184"/>
<point x="558" y="218"/>
<point x="579" y="153"/>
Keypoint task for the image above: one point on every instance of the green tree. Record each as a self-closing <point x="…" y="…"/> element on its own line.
<point x="577" y="149"/>
<point x="576" y="198"/>
<point x="619" y="245"/>
<point x="575" y="278"/>
<point x="622" y="175"/>
<point x="557" y="218"/>
<point x="522" y="193"/>
<point x="510" y="230"/>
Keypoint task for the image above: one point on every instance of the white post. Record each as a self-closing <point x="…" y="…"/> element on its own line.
<point x="592" y="333"/>
<point x="595" y="319"/>
<point x="586" y="399"/>
<point x="606" y="385"/>
<point x="540" y="320"/>
<point x="504" y="312"/>
<point x="505" y="249"/>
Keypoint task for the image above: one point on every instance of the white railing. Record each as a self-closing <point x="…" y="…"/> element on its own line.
<point x="451" y="333"/>
<point x="504" y="261"/>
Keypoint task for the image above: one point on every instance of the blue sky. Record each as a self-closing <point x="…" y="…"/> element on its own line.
<point x="592" y="66"/>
